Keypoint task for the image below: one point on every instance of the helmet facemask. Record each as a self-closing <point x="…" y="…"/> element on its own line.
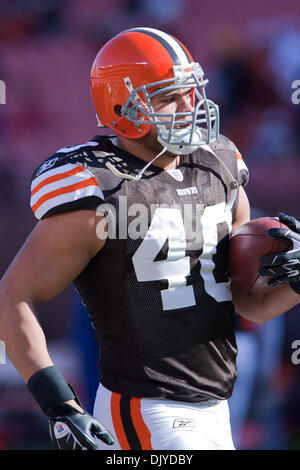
<point x="203" y="121"/>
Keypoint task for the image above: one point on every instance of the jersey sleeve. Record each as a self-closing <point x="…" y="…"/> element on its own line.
<point x="242" y="170"/>
<point x="57" y="188"/>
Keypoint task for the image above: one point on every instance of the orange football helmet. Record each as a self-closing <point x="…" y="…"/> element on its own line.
<point x="132" y="68"/>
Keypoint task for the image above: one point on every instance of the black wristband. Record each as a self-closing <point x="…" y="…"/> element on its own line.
<point x="49" y="388"/>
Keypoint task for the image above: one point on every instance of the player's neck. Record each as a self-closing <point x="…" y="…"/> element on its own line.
<point x="167" y="160"/>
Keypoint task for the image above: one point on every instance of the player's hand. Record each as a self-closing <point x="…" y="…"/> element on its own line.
<point x="72" y="430"/>
<point x="285" y="266"/>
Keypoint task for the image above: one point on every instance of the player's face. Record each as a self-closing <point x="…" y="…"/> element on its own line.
<point x="175" y="101"/>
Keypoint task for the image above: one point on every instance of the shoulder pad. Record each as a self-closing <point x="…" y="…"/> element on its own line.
<point x="232" y="156"/>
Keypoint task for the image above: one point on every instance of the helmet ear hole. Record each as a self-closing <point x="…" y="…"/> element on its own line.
<point x="117" y="109"/>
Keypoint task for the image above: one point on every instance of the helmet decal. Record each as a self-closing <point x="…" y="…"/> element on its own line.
<point x="178" y="53"/>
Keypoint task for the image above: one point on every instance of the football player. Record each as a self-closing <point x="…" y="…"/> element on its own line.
<point x="139" y="220"/>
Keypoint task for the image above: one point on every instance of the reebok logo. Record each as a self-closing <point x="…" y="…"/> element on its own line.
<point x="47" y="165"/>
<point x="184" y="423"/>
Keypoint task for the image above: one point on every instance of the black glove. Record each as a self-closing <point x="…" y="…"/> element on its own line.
<point x="72" y="430"/>
<point x="285" y="266"/>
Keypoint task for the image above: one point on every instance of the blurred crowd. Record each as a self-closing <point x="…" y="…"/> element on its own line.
<point x="250" y="54"/>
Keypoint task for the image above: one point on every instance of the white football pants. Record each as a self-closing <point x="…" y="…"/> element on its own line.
<point x="160" y="424"/>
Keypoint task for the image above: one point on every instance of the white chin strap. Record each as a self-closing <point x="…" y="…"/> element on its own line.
<point x="140" y="173"/>
<point x="189" y="143"/>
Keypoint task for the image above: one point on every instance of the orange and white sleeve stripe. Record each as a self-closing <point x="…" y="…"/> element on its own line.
<point x="61" y="185"/>
<point x="243" y="172"/>
<point x="240" y="162"/>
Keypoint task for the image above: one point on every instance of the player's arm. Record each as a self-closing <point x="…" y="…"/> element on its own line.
<point x="242" y="214"/>
<point x="261" y="307"/>
<point x="55" y="253"/>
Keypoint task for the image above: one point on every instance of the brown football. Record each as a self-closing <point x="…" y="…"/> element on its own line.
<point x="246" y="246"/>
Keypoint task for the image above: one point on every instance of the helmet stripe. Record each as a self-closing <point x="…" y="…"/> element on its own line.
<point x="186" y="52"/>
<point x="178" y="54"/>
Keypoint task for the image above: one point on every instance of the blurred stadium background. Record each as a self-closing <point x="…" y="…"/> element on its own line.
<point x="250" y="53"/>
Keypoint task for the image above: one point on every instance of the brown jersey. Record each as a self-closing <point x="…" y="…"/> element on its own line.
<point x="158" y="293"/>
